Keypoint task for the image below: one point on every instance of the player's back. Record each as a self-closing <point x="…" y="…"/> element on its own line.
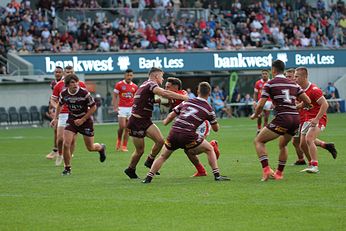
<point x="143" y="104"/>
<point x="192" y="114"/>
<point x="283" y="93"/>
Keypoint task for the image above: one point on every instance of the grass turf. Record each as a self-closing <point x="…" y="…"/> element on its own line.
<point x="98" y="196"/>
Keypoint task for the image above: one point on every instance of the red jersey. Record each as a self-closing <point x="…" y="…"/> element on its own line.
<point x="176" y="102"/>
<point x="259" y="87"/>
<point x="314" y="93"/>
<point x="58" y="89"/>
<point x="126" y="92"/>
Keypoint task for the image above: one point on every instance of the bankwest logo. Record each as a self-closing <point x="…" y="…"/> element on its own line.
<point x="240" y="61"/>
<point x="81" y="65"/>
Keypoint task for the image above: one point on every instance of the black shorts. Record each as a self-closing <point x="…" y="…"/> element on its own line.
<point x="138" y="126"/>
<point x="176" y="140"/>
<point x="86" y="129"/>
<point x="285" y="123"/>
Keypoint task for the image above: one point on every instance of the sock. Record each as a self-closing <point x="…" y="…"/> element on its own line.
<point x="259" y="126"/>
<point x="60" y="153"/>
<point x="124" y="143"/>
<point x="216" y="172"/>
<point x="264" y="160"/>
<point x="200" y="168"/>
<point x="314" y="163"/>
<point x="68" y="168"/>
<point x="281" y="165"/>
<point x="55" y="149"/>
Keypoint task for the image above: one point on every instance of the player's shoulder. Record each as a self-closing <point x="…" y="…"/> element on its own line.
<point x="314" y="87"/>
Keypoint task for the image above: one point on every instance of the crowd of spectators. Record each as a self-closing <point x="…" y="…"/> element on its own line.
<point x="25" y="28"/>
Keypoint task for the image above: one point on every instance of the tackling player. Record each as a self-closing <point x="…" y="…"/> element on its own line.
<point x="81" y="107"/>
<point x="140" y="124"/>
<point x="123" y="94"/>
<point x="183" y="134"/>
<point x="175" y="85"/>
<point x="257" y="95"/>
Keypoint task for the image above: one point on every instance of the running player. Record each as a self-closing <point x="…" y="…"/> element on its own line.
<point x="283" y="92"/>
<point x="315" y="119"/>
<point x="123" y="94"/>
<point x="58" y="73"/>
<point x="296" y="138"/>
<point x="63" y="113"/>
<point x="81" y="107"/>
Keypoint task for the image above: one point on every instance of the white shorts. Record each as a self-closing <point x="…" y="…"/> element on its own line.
<point x="62" y="119"/>
<point x="124" y="112"/>
<point x="268" y="105"/>
<point x="306" y="126"/>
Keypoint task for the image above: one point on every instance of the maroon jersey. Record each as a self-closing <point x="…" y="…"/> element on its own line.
<point x="78" y="103"/>
<point x="192" y="114"/>
<point x="143" y="104"/>
<point x="283" y="93"/>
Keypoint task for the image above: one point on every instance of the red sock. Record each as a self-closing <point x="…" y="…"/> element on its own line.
<point x="124" y="143"/>
<point x="323" y="145"/>
<point x="314" y="163"/>
<point x="200" y="168"/>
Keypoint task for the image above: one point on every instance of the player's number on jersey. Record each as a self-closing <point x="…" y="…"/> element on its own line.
<point x="286" y="93"/>
<point x="189" y="111"/>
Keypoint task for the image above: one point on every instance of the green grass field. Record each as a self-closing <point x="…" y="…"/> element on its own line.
<point x="34" y="196"/>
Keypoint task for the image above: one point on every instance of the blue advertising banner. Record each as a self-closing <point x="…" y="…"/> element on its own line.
<point x="109" y="63"/>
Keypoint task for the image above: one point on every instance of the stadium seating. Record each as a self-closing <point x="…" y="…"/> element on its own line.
<point x="24" y="115"/>
<point x="34" y="114"/>
<point x="13" y="115"/>
<point x="3" y="115"/>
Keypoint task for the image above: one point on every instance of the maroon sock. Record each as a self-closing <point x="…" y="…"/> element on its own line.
<point x="264" y="160"/>
<point x="281" y="165"/>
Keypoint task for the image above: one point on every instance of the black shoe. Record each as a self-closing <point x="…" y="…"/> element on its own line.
<point x="147" y="180"/>
<point x="299" y="162"/>
<point x="330" y="147"/>
<point x="130" y="172"/>
<point x="222" y="178"/>
<point x="103" y="153"/>
<point x="66" y="172"/>
<point x="148" y="163"/>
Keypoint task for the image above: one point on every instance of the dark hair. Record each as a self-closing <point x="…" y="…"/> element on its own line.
<point x="279" y="66"/>
<point x="69" y="67"/>
<point x="204" y="88"/>
<point x="154" y="69"/>
<point x="175" y="81"/>
<point x="58" y="67"/>
<point x="129" y="71"/>
<point x="69" y="78"/>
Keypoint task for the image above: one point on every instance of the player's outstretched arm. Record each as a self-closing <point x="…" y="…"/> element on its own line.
<point x="169" y="94"/>
<point x="169" y="118"/>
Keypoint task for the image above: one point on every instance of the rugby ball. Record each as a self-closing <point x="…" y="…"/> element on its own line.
<point x="204" y="129"/>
